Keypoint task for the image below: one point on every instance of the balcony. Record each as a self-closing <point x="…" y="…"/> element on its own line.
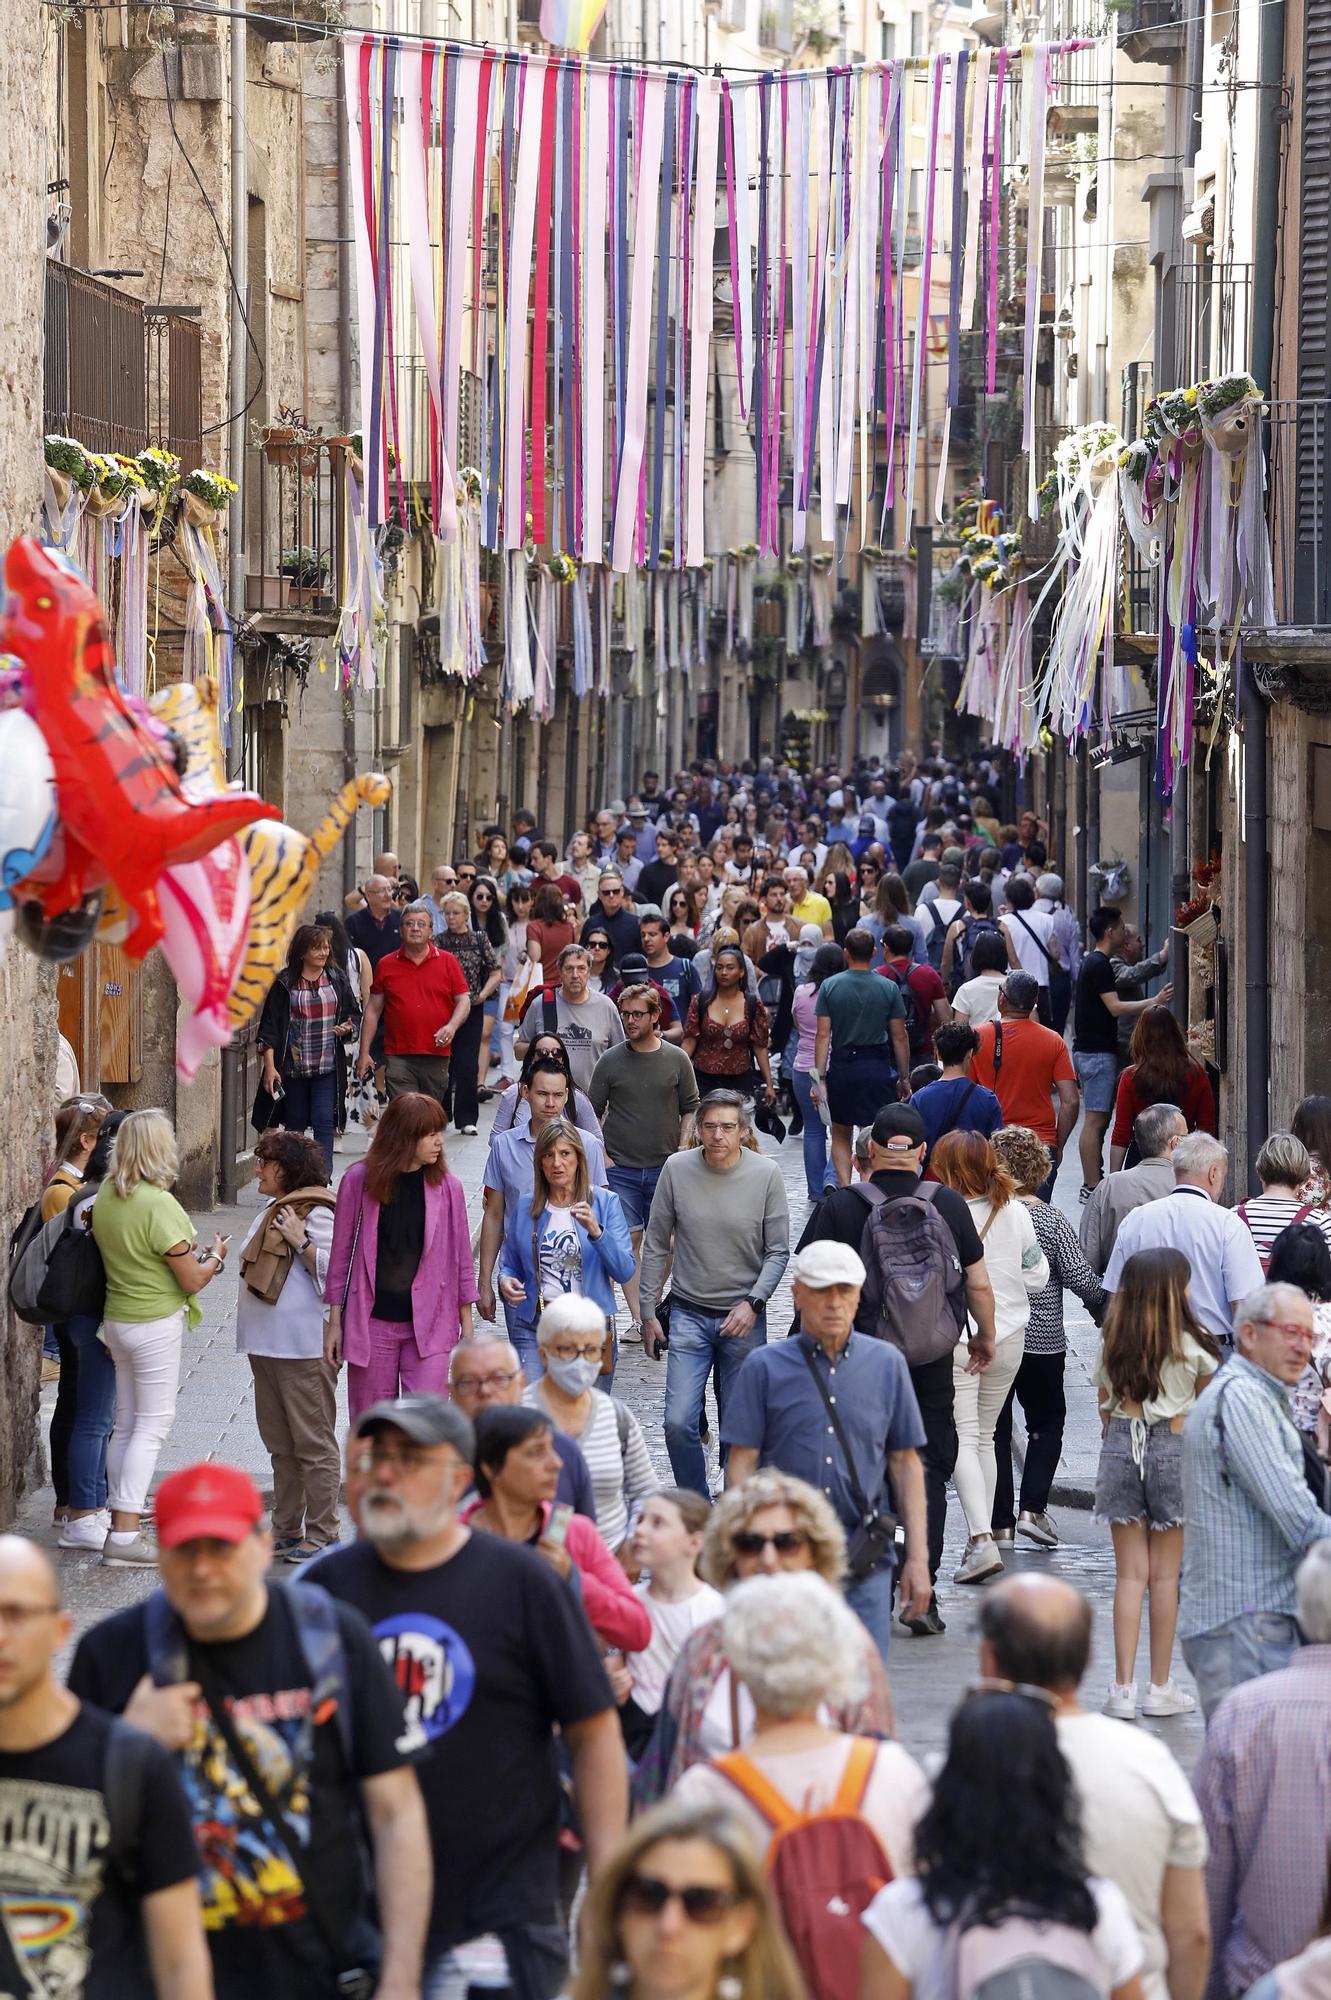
<point x="119" y="375"/>
<point x="1299" y="512"/>
<point x="294" y="539"/>
<point x="1151" y="31"/>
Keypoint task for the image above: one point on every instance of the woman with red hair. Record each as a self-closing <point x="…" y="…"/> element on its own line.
<point x="400" y="1282"/>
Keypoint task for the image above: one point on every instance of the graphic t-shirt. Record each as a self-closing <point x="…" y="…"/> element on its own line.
<point x="559" y="1250"/>
<point x="586" y="1031"/>
<point x="491" y="1651"/>
<point x="69" y="1924"/>
<point x="255" y="1913"/>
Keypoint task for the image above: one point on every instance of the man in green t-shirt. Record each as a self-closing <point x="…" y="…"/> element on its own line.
<point x="646" y="1096"/>
<point x="861" y="1055"/>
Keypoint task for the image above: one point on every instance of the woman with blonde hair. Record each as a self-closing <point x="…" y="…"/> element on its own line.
<point x="1017" y="1268"/>
<point x="152" y="1273"/>
<point x="771" y="1524"/>
<point x="680" y="1912"/>
<point x="1155" y="1358"/>
<point x="565" y="1237"/>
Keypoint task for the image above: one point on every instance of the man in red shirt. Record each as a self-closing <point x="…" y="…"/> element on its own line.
<point x="1027" y="1066"/>
<point x="421" y="995"/>
<point x="924" y="993"/>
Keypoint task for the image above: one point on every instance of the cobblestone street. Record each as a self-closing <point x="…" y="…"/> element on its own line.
<point x="215" y="1419"/>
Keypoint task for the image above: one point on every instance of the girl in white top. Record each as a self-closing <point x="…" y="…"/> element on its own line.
<point x="517" y="909"/>
<point x="1155" y="1357"/>
<point x="1017" y="1269"/>
<point x="1000" y="1837"/>
<point x="796" y="1646"/>
<point x="666" y="1543"/>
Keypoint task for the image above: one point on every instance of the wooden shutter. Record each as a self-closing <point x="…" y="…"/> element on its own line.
<point x="1313" y="433"/>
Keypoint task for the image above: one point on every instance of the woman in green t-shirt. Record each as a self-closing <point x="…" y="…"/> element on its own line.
<point x="152" y="1271"/>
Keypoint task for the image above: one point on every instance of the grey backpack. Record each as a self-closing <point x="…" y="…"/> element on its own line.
<point x="909" y="1247"/>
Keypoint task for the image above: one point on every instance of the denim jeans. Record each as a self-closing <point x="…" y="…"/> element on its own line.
<point x="819" y="1173"/>
<point x="695" y="1346"/>
<point x="94" y="1414"/>
<point x="1260" y="1642"/>
<point x="523" y="1337"/>
<point x="870" y="1598"/>
<point x="311" y="1106"/>
<point x="635" y="1187"/>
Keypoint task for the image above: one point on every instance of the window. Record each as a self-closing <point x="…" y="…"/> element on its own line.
<point x="917" y="34"/>
<point x="888" y="41"/>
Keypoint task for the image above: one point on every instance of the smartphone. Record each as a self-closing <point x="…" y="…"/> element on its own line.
<point x="225" y="1242"/>
<point x="556" y="1528"/>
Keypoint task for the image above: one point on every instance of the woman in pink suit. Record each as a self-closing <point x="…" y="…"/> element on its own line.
<point x="400" y="1278"/>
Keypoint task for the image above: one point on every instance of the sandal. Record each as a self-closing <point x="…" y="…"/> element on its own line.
<point x="299" y="1552"/>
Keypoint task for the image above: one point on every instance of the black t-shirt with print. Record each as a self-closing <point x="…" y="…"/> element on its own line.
<point x="491" y="1650"/>
<point x="69" y="1922"/>
<point x="254" y="1907"/>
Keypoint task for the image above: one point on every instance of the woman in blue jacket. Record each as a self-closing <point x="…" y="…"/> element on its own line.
<point x="567" y="1237"/>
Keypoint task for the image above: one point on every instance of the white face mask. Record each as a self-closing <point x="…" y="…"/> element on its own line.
<point x="573" y="1377"/>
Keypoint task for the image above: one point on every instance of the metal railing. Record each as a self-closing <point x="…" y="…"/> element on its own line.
<point x="294" y="533"/>
<point x="175" y="386"/>
<point x="119" y="375"/>
<point x="1299" y="509"/>
<point x="1139" y="603"/>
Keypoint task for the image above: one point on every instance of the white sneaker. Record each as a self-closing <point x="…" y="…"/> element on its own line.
<point x="1122" y="1702"/>
<point x="467" y="1131"/>
<point x="1167" y="1700"/>
<point x="138" y="1554"/>
<point x="980" y="1560"/>
<point x="1038" y="1528"/>
<point x="88" y="1532"/>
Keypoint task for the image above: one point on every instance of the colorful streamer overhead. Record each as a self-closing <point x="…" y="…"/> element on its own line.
<point x="564" y="223"/>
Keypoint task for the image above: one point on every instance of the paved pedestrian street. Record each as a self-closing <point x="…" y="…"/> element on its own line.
<point x="215" y="1419"/>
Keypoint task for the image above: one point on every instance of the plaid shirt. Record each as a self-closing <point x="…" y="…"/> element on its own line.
<point x="312" y="1048"/>
<point x="1264" y="1785"/>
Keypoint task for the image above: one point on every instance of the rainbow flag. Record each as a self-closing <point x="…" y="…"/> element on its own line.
<point x="570" y="24"/>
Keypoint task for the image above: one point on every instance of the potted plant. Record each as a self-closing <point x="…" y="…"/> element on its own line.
<point x="68" y="465"/>
<point x="204" y="495"/>
<point x="292" y="441"/>
<point x="306" y="572"/>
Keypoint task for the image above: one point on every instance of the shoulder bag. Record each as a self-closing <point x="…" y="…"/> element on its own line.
<point x="874" y="1540"/>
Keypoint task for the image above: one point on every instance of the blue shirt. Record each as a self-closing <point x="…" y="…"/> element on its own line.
<point x="1249" y="1512"/>
<point x="1224" y="1260"/>
<point x="956" y="1104"/>
<point x="774" y="1408"/>
<point x="680" y="982"/>
<point x="512" y="1162"/>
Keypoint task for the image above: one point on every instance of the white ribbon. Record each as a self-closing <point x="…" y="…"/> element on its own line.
<point x="704" y="241"/>
<point x="1035" y="81"/>
<point x="519" y="288"/>
<point x="416" y="220"/>
<point x="646" y="204"/>
<point x="599" y="86"/>
<point x="980" y="64"/>
<point x="360" y="226"/>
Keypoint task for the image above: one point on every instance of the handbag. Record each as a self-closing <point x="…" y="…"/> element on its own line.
<point x="875" y="1538"/>
<point x="765" y="1118"/>
<point x="520" y="991"/>
<point x="267" y="1108"/>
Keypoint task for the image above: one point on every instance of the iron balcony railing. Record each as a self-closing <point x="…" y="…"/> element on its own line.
<point x="119" y="375"/>
<point x="294" y="537"/>
<point x="1298" y="505"/>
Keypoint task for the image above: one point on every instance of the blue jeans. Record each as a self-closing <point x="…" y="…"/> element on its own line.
<point x="870" y="1598"/>
<point x="1260" y="1642"/>
<point x="695" y="1347"/>
<point x="311" y="1106"/>
<point x="635" y="1187"/>
<point x="819" y="1173"/>
<point x="94" y="1414"/>
<point x="523" y="1338"/>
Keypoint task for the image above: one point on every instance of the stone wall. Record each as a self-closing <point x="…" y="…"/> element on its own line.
<point x="27" y="989"/>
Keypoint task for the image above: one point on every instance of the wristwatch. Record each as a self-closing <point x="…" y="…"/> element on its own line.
<point x="756" y="1306"/>
<point x="301" y="1248"/>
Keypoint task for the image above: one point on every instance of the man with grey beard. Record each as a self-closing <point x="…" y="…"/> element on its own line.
<point x="491" y="1649"/>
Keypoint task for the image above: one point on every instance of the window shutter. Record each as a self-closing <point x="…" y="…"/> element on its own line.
<point x="1313" y="432"/>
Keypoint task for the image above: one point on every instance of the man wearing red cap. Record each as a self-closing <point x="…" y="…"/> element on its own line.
<point x="285" y="1721"/>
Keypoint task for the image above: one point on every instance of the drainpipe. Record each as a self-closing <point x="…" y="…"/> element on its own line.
<point x="1252" y="708"/>
<point x="344" y="229"/>
<point x="236" y="390"/>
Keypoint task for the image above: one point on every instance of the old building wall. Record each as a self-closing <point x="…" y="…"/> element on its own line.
<point x="27" y="988"/>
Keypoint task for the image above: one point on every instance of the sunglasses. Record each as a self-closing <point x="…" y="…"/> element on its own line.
<point x="466" y="874"/>
<point x="701" y="1902"/>
<point x="749" y="1543"/>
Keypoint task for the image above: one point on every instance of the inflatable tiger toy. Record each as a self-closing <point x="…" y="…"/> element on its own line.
<point x="284" y="863"/>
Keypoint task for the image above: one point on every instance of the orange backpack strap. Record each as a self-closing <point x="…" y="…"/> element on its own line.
<point x="745" y="1776"/>
<point x="855" y="1778"/>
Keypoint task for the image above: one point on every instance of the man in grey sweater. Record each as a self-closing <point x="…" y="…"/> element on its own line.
<point x="722" y="1211"/>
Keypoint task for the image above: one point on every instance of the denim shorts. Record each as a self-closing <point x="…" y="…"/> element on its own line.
<point x="1098" y="1076"/>
<point x="1140" y="1476"/>
<point x="635" y="1187"/>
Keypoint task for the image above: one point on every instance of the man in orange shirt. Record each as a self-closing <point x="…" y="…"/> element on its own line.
<point x="1027" y="1066"/>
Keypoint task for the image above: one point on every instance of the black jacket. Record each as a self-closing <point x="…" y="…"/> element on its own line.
<point x="275" y="1021"/>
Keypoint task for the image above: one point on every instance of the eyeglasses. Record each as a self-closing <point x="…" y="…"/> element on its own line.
<point x="714" y="1129"/>
<point x="701" y="1902"/>
<point x="471" y="1385"/>
<point x="1289" y="1327"/>
<point x="748" y="1542"/>
<point x="402" y="1457"/>
<point x="484" y="896"/>
<point x="18" y="1617"/>
<point x="635" y="1013"/>
<point x="588" y="1351"/>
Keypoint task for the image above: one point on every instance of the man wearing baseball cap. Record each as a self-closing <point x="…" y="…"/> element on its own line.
<point x="285" y="1722"/>
<point x="493" y="1651"/>
<point x="836" y="1409"/>
<point x="897" y="1153"/>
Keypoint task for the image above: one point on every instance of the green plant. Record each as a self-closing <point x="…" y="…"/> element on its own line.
<point x="67" y="455"/>
<point x="306" y="568"/>
<point x="213" y="488"/>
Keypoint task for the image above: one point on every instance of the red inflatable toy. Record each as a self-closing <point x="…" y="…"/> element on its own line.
<point x="122" y="811"/>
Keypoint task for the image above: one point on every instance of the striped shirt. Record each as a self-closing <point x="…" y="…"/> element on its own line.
<point x="1267" y="1214"/>
<point x="1264" y="1785"/>
<point x="622" y="1474"/>
<point x="1249" y="1514"/>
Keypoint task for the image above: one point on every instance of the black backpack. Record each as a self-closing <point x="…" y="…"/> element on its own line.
<point x="910" y="1248"/>
<point x="919" y="1029"/>
<point x="60" y="1275"/>
<point x="971" y="928"/>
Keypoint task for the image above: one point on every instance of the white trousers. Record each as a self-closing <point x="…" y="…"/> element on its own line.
<point x="977" y="1402"/>
<point x="147" y="1357"/>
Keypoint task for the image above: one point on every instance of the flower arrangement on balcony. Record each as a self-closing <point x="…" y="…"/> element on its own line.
<point x="1197" y="919"/>
<point x="821" y="562"/>
<point x="116" y="477"/>
<point x="204" y="495"/>
<point x="794" y="565"/>
<point x="666" y="558"/>
<point x="158" y="469"/>
<point x="469" y="480"/>
<point x="561" y="568"/>
<point x="68" y="465"/>
<point x="291" y="441"/>
<point x="1229" y="408"/>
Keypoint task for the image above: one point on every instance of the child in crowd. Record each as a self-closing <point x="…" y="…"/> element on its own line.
<point x="666" y="1543"/>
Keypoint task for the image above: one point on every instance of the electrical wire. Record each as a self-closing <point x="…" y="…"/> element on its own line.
<point x="224" y="422"/>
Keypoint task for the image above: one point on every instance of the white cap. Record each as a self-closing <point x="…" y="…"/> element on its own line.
<point x="826" y="1263"/>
